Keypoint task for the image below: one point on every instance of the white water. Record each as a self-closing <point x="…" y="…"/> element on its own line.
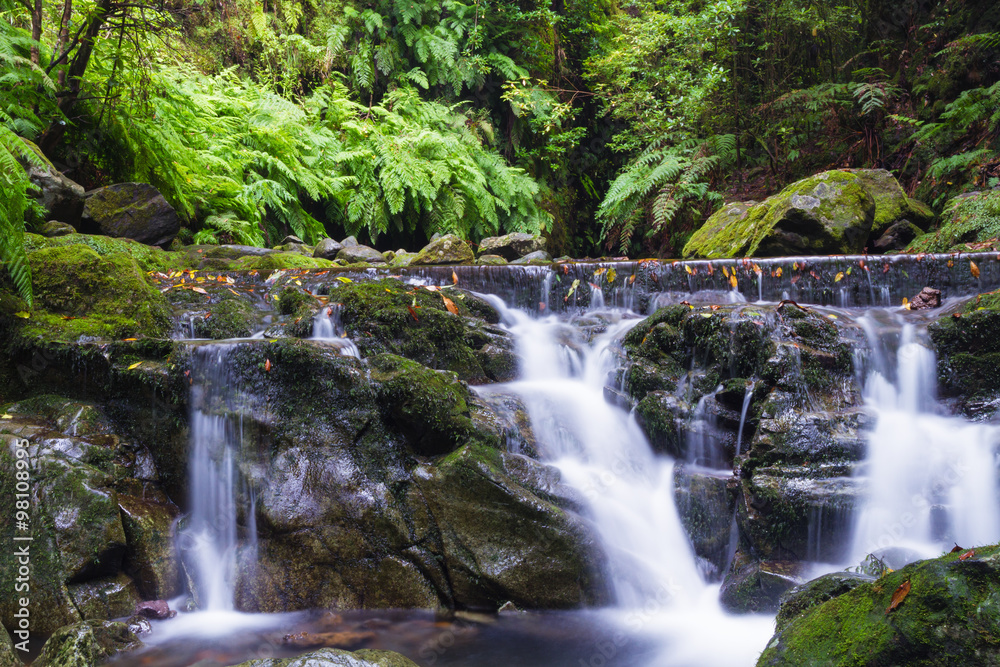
<point x="327" y="327"/>
<point x="601" y="451"/>
<point x="932" y="478"/>
<point x="210" y="540"/>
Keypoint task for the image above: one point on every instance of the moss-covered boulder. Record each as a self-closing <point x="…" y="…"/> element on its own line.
<point x="360" y="253"/>
<point x="8" y="657"/>
<point x="511" y="246"/>
<point x="149" y="258"/>
<point x="829" y="213"/>
<point x="276" y="261"/>
<point x="798" y="600"/>
<point x="448" y="249"/>
<point x="150" y="557"/>
<point x="87" y="644"/>
<point x="933" y="612"/>
<point x="131" y="210"/>
<point x="891" y="203"/>
<point x="970" y="222"/>
<point x="969" y="352"/>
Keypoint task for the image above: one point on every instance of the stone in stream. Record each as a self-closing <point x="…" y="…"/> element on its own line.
<point x="155" y="609"/>
<point x="360" y="253"/>
<point x="332" y="657"/>
<point x="327" y="249"/>
<point x="511" y="246"/>
<point x="757" y="587"/>
<point x="537" y="257"/>
<point x="932" y="612"/>
<point x="87" y="644"/>
<point x="448" y="249"/>
<point x="927" y="299"/>
<point x="131" y="210"/>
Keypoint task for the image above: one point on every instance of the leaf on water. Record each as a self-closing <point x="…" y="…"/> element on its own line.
<point x="541" y="305"/>
<point x="298" y="282"/>
<point x="267" y="365"/>
<point x="898" y="596"/>
<point x="974" y="269"/>
<point x="631" y="279"/>
<point x="450" y="305"/>
<point x="777" y="272"/>
<point x="576" y="283"/>
<point x="950" y="263"/>
<point x="612" y="274"/>
<point x="413" y="313"/>
<point x="967" y="555"/>
<point x="600" y="272"/>
<point x="23" y="314"/>
<point x="688" y="269"/>
<point x="711" y="270"/>
<point x="838" y="277"/>
<point x="756" y="269"/>
<point x="906" y="303"/>
<point x="733" y="281"/>
<point x="885" y="268"/>
<point x="135" y="365"/>
<point x="454" y="278"/>
<point x="725" y="271"/>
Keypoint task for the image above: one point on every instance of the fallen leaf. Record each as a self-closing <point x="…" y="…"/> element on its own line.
<point x="135" y="365"/>
<point x="344" y="280"/>
<point x="454" y="278"/>
<point x="23" y="314"/>
<point x="199" y="290"/>
<point x="688" y="269"/>
<point x="967" y="555"/>
<point x="795" y="266"/>
<point x="777" y="272"/>
<point x="951" y="263"/>
<point x="413" y="313"/>
<point x="725" y="271"/>
<point x="898" y="596"/>
<point x="450" y="305"/>
<point x="631" y="279"/>
<point x="796" y="279"/>
<point x="711" y="270"/>
<point x="906" y="303"/>
<point x="541" y="305"/>
<point x="885" y="268"/>
<point x="69" y="317"/>
<point x="6" y="416"/>
<point x="733" y="281"/>
<point x="129" y="340"/>
<point x="612" y="274"/>
<point x="600" y="272"/>
<point x="756" y="269"/>
<point x="838" y="277"/>
<point x="576" y="283"/>
<point x="956" y="549"/>
<point x="267" y="365"/>
<point x="974" y="269"/>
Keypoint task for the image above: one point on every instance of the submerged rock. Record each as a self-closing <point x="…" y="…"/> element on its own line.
<point x="933" y="612"/>
<point x="927" y="298"/>
<point x="131" y="210"/>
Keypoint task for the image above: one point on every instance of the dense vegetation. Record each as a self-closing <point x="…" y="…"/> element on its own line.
<point x="613" y="126"/>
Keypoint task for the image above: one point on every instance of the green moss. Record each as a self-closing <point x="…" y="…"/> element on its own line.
<point x="969" y="349"/>
<point x="292" y="301"/>
<point x="280" y="260"/>
<point x="728" y="232"/>
<point x="231" y="318"/>
<point x="149" y="258"/>
<point x="968" y="219"/>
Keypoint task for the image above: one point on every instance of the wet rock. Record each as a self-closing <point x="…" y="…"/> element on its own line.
<point x="449" y="249"/>
<point x="801" y="598"/>
<point x="111" y="597"/>
<point x="511" y="246"/>
<point x="927" y="299"/>
<point x="402" y="259"/>
<point x="491" y="260"/>
<point x="332" y="657"/>
<point x="968" y="351"/>
<point x="150" y="555"/>
<point x="8" y="658"/>
<point x="360" y="253"/>
<point x="327" y="249"/>
<point x="139" y="625"/>
<point x="725" y="233"/>
<point x="897" y="237"/>
<point x="892" y="206"/>
<point x="131" y="210"/>
<point x="291" y="238"/>
<point x="660" y="414"/>
<point x="155" y="609"/>
<point x="54" y="228"/>
<point x="948" y="617"/>
<point x="87" y="644"/>
<point x="534" y="258"/>
<point x="349" y="242"/>
<point x="705" y="504"/>
<point x="756" y="587"/>
<point x="499" y="363"/>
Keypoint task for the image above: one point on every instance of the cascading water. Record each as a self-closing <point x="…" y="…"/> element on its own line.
<point x="327" y="327"/>
<point x="601" y="451"/>
<point x="932" y="478"/>
<point x="210" y="540"/>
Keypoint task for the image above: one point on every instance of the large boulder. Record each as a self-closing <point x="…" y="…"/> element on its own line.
<point x="327" y="249"/>
<point x="60" y="196"/>
<point x="87" y="644"/>
<point x="131" y="210"/>
<point x="932" y="612"/>
<point x="969" y="353"/>
<point x="360" y="253"/>
<point x="834" y="212"/>
<point x="511" y="246"/>
<point x="448" y="249"/>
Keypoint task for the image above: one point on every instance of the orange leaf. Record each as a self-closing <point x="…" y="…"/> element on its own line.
<point x="711" y="271"/>
<point x="733" y="281"/>
<point x="967" y="555"/>
<point x="898" y="596"/>
<point x="777" y="272"/>
<point x="541" y="305"/>
<point x="267" y="365"/>
<point x="450" y="305"/>
<point x="454" y="278"/>
<point x="413" y="313"/>
<point x="956" y="549"/>
<point x="974" y="269"/>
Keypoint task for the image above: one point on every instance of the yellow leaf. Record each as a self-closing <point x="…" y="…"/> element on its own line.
<point x="732" y="281"/>
<point x="839" y="277"/>
<point x="6" y="416"/>
<point x="135" y="365"/>
<point x="974" y="269"/>
<point x="344" y="280"/>
<point x="450" y="305"/>
<point x="199" y="290"/>
<point x="725" y="272"/>
<point x="612" y="274"/>
<point x="756" y="269"/>
<point x="906" y="303"/>
<point x="600" y="272"/>
<point x="777" y="272"/>
<point x="832" y="317"/>
<point x="23" y="314"/>
<point x="298" y="282"/>
<point x="687" y="268"/>
<point x="129" y="340"/>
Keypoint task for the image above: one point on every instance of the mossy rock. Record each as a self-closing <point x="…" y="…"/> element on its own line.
<point x="151" y="555"/>
<point x="754" y="586"/>
<point x="149" y="258"/>
<point x="276" y="261"/>
<point x="826" y="214"/>
<point x="106" y="598"/>
<point x="970" y="221"/>
<point x="8" y="658"/>
<point x="448" y="249"/>
<point x="948" y="614"/>
<point x="79" y="293"/>
<point x="969" y="349"/>
<point x="230" y="318"/>
<point x="87" y="644"/>
<point x="892" y="205"/>
<point x="800" y="599"/>
<point x="429" y="407"/>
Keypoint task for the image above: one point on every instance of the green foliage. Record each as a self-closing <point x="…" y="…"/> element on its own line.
<point x="971" y="219"/>
<point x="976" y="112"/>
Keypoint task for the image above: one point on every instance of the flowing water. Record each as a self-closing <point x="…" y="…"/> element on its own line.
<point x="931" y="477"/>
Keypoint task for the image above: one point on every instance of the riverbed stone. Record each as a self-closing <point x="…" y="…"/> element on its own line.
<point x="327" y="249"/>
<point x="753" y="586"/>
<point x="448" y="249"/>
<point x="131" y="210"/>
<point x="360" y="253"/>
<point x="946" y="612"/>
<point x="87" y="644"/>
<point x="511" y="246"/>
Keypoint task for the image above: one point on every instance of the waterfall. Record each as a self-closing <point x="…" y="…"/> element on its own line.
<point x="601" y="451"/>
<point x="932" y="477"/>
<point x="210" y="540"/>
<point x="327" y="327"/>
